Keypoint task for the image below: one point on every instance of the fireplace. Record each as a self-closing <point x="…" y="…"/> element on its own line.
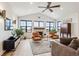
<point x="40" y="30"/>
<point x="41" y="33"/>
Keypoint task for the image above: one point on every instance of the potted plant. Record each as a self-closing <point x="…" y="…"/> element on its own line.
<point x="53" y="30"/>
<point x="17" y="32"/>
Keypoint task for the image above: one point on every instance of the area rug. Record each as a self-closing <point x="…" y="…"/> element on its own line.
<point x="40" y="47"/>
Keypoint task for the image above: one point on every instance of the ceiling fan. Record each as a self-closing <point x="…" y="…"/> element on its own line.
<point x="49" y="7"/>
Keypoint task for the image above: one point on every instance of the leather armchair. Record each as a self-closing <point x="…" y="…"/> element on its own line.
<point x="36" y="36"/>
<point x="53" y="35"/>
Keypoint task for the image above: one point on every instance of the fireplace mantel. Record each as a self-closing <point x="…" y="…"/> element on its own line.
<point x="39" y="28"/>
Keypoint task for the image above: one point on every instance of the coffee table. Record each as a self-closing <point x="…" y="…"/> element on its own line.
<point x="50" y="41"/>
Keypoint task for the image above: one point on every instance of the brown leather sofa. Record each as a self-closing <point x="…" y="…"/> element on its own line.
<point x="36" y="36"/>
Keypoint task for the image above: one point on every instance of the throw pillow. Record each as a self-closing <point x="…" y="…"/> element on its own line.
<point x="74" y="44"/>
<point x="66" y="41"/>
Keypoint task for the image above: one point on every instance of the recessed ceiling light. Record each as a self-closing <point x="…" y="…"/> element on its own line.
<point x="52" y="12"/>
<point x="31" y="2"/>
<point x="61" y="8"/>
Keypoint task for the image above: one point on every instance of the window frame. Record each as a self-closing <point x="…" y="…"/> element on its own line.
<point x="29" y="26"/>
<point x="58" y="26"/>
<point x="49" y="26"/>
<point x="34" y="24"/>
<point x="39" y="23"/>
<point x="26" y="25"/>
<point x="10" y="24"/>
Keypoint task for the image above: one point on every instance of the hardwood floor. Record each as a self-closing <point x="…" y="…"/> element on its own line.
<point x="24" y="49"/>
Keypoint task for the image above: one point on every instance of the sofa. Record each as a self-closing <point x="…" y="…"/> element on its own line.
<point x="11" y="43"/>
<point x="58" y="49"/>
<point x="65" y="41"/>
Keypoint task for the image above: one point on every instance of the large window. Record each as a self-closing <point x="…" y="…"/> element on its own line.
<point x="29" y="26"/>
<point x="26" y="25"/>
<point x="50" y="25"/>
<point x="59" y="24"/>
<point x="23" y="24"/>
<point x="38" y="24"/>
<point x="47" y="26"/>
<point x="41" y="24"/>
<point x="8" y="24"/>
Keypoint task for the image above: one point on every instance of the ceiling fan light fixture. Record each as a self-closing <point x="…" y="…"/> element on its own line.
<point x="49" y="7"/>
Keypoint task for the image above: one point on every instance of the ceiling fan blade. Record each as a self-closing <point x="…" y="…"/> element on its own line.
<point x="49" y="3"/>
<point x="55" y="6"/>
<point x="41" y="7"/>
<point x="51" y="10"/>
<point x="44" y="10"/>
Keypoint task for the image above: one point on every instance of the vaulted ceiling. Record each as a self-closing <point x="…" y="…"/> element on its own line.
<point x="25" y="8"/>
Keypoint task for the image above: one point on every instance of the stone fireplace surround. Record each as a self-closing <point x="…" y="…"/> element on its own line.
<point x="40" y="30"/>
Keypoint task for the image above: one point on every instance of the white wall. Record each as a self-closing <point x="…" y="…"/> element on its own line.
<point x="4" y="34"/>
